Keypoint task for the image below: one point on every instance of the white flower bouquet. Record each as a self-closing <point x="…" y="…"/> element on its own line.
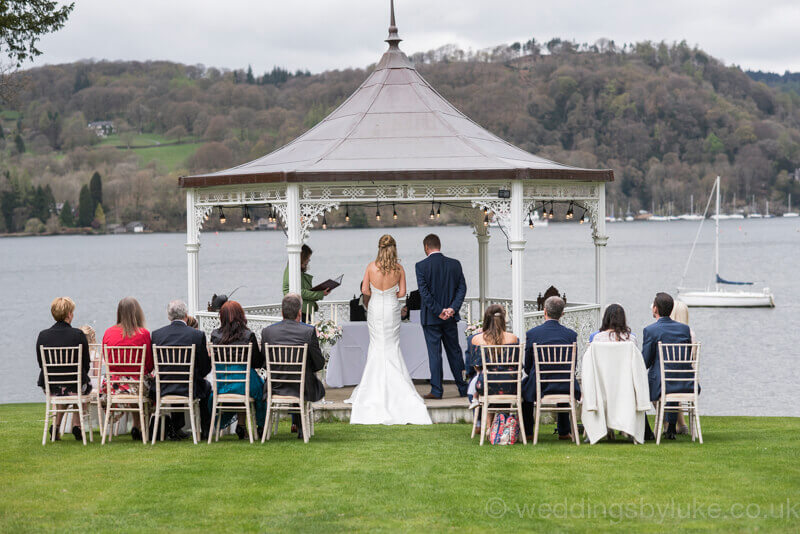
<point x="473" y="328"/>
<point x="328" y="332"/>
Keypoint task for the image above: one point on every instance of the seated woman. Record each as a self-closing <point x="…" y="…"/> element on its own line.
<point x="129" y="331"/>
<point x="494" y="333"/>
<point x="614" y="327"/>
<point x="233" y="331"/>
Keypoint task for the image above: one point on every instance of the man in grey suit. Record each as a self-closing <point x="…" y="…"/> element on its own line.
<point x="291" y="331"/>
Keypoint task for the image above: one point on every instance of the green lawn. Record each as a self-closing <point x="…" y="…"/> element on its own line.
<point x="170" y="157"/>
<point x="428" y="479"/>
<point x="147" y="139"/>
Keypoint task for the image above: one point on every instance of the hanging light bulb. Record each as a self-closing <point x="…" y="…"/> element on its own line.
<point x="485" y="210"/>
<point x="439" y="210"/>
<point x="347" y="213"/>
<point x="222" y="218"/>
<point x="377" y="212"/>
<point x="324" y="222"/>
<point x="570" y="212"/>
<point x="249" y="219"/>
<point x="244" y="214"/>
<point x="205" y="216"/>
<point x="394" y="212"/>
<point x="530" y="220"/>
<point x="432" y="215"/>
<point x="583" y="217"/>
<point x="550" y="215"/>
<point x="486" y="220"/>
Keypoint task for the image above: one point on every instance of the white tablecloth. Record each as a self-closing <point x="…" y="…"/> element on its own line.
<point x="349" y="356"/>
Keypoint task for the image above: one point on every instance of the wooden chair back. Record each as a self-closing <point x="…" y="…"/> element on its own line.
<point x="124" y="367"/>
<point x="174" y="365"/>
<point x="502" y="368"/>
<point x="61" y="367"/>
<point x="555" y="364"/>
<point x="286" y="364"/>
<point x="230" y="364"/>
<point x="96" y="365"/>
<point x="679" y="363"/>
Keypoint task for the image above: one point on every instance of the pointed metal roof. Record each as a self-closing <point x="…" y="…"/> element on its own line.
<point x="395" y="127"/>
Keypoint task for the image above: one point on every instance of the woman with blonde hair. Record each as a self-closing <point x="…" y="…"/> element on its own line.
<point x="129" y="331"/>
<point x="386" y="395"/>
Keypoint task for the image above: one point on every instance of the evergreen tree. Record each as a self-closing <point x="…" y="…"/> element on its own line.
<point x="2" y="133"/>
<point x="81" y="80"/>
<point x="20" y="144"/>
<point x="99" y="218"/>
<point x="249" y="76"/>
<point x="85" y="207"/>
<point x="96" y="188"/>
<point x="66" y="218"/>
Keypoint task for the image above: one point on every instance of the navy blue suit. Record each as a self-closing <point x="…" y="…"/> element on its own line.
<point x="178" y="334"/>
<point x="667" y="331"/>
<point x="441" y="285"/>
<point x="551" y="332"/>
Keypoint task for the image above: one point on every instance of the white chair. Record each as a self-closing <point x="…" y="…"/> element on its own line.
<point x="230" y="365"/>
<point x="125" y="385"/>
<point x="555" y="365"/>
<point x="62" y="368"/>
<point x="679" y="362"/>
<point x="174" y="366"/>
<point x="95" y="378"/>
<point x="502" y="371"/>
<point x="286" y="365"/>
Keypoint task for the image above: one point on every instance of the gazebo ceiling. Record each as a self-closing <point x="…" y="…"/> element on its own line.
<point x="395" y="127"/>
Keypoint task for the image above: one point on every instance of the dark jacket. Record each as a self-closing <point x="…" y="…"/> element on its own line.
<point x="62" y="334"/>
<point x="667" y="331"/>
<point x="289" y="332"/>
<point x="441" y="285"/>
<point x="178" y="334"/>
<point x="247" y="337"/>
<point x="548" y="333"/>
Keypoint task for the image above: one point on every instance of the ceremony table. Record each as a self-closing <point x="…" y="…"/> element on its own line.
<point x="349" y="356"/>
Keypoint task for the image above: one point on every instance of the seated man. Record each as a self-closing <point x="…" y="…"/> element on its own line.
<point x="292" y="331"/>
<point x="179" y="334"/>
<point x="667" y="331"/>
<point x="551" y="332"/>
<point x="62" y="334"/>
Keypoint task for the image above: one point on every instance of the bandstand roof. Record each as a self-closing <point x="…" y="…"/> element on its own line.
<point x="395" y="127"/>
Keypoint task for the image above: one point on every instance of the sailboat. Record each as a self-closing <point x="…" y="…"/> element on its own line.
<point x="720" y="297"/>
<point x="789" y="212"/>
<point x="691" y="216"/>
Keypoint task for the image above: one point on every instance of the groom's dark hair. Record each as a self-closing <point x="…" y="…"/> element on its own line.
<point x="432" y="242"/>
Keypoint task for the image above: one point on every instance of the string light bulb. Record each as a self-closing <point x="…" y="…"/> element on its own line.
<point x="324" y="222"/>
<point x="550" y="215"/>
<point x="583" y="217"/>
<point x="485" y="219"/>
<point x="222" y="218"/>
<point x="439" y="210"/>
<point x="432" y="215"/>
<point x="347" y="213"/>
<point x="530" y="220"/>
<point x="570" y="212"/>
<point x="377" y="212"/>
<point x="205" y="216"/>
<point x="394" y="212"/>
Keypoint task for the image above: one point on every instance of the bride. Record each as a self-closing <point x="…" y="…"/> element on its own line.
<point x="386" y="394"/>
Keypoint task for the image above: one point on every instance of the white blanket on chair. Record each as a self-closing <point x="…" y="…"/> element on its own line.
<point x="614" y="390"/>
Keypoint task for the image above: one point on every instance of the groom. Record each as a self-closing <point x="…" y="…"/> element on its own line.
<point x="442" y="288"/>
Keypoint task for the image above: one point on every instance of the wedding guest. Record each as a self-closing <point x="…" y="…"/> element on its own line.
<point x="310" y="298"/>
<point x="130" y="331"/>
<point x="291" y="331"/>
<point x="493" y="333"/>
<point x="667" y="331"/>
<point x="191" y="321"/>
<point x="680" y="313"/>
<point x="180" y="334"/>
<point x="614" y="326"/>
<point x="551" y="332"/>
<point x="233" y="331"/>
<point x="62" y="334"/>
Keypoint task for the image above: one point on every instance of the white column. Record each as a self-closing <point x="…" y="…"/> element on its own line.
<point x="482" y="234"/>
<point x="600" y="239"/>
<point x="192" y="249"/>
<point x="294" y="239"/>
<point x="517" y="245"/>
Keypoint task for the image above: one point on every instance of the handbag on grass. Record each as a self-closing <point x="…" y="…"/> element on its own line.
<point x="505" y="430"/>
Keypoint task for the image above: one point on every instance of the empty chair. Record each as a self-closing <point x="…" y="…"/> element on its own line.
<point x="230" y="365"/>
<point x="124" y="385"/>
<point x="555" y="383"/>
<point x="286" y="365"/>
<point x="502" y="384"/>
<point x="63" y="381"/>
<point x="679" y="365"/>
<point x="174" y="372"/>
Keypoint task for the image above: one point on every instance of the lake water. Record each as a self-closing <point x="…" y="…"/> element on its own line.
<point x="749" y="364"/>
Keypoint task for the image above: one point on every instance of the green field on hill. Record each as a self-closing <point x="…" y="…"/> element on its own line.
<point x="745" y="477"/>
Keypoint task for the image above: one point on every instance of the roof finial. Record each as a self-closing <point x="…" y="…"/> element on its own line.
<point x="393" y="39"/>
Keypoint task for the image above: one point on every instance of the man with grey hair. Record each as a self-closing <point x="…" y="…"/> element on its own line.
<point x="291" y="331"/>
<point x="551" y="332"/>
<point x="179" y="334"/>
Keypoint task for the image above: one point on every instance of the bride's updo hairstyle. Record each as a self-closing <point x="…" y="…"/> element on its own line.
<point x="494" y="324"/>
<point x="387" y="255"/>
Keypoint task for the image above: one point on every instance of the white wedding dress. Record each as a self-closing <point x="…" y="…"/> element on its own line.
<point x="386" y="394"/>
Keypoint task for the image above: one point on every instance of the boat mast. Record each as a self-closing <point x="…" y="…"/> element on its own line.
<point x="716" y="240"/>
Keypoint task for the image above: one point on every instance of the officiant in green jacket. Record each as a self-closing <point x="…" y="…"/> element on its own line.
<point x="310" y="298"/>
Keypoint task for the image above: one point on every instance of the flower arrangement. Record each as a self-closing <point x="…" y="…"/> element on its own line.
<point x="328" y="332"/>
<point x="473" y="328"/>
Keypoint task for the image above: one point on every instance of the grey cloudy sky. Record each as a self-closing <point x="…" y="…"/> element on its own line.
<point x="324" y="34"/>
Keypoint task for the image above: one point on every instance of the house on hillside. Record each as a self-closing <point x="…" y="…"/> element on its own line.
<point x="136" y="227"/>
<point x="102" y="128"/>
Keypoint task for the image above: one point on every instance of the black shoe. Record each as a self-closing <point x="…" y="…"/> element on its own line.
<point x="670" y="435"/>
<point x="259" y="431"/>
<point x="204" y="436"/>
<point x="136" y="434"/>
<point x="50" y="434"/>
<point x="649" y="436"/>
<point x="76" y="431"/>
<point x="180" y="434"/>
<point x="300" y="435"/>
<point x="241" y="432"/>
